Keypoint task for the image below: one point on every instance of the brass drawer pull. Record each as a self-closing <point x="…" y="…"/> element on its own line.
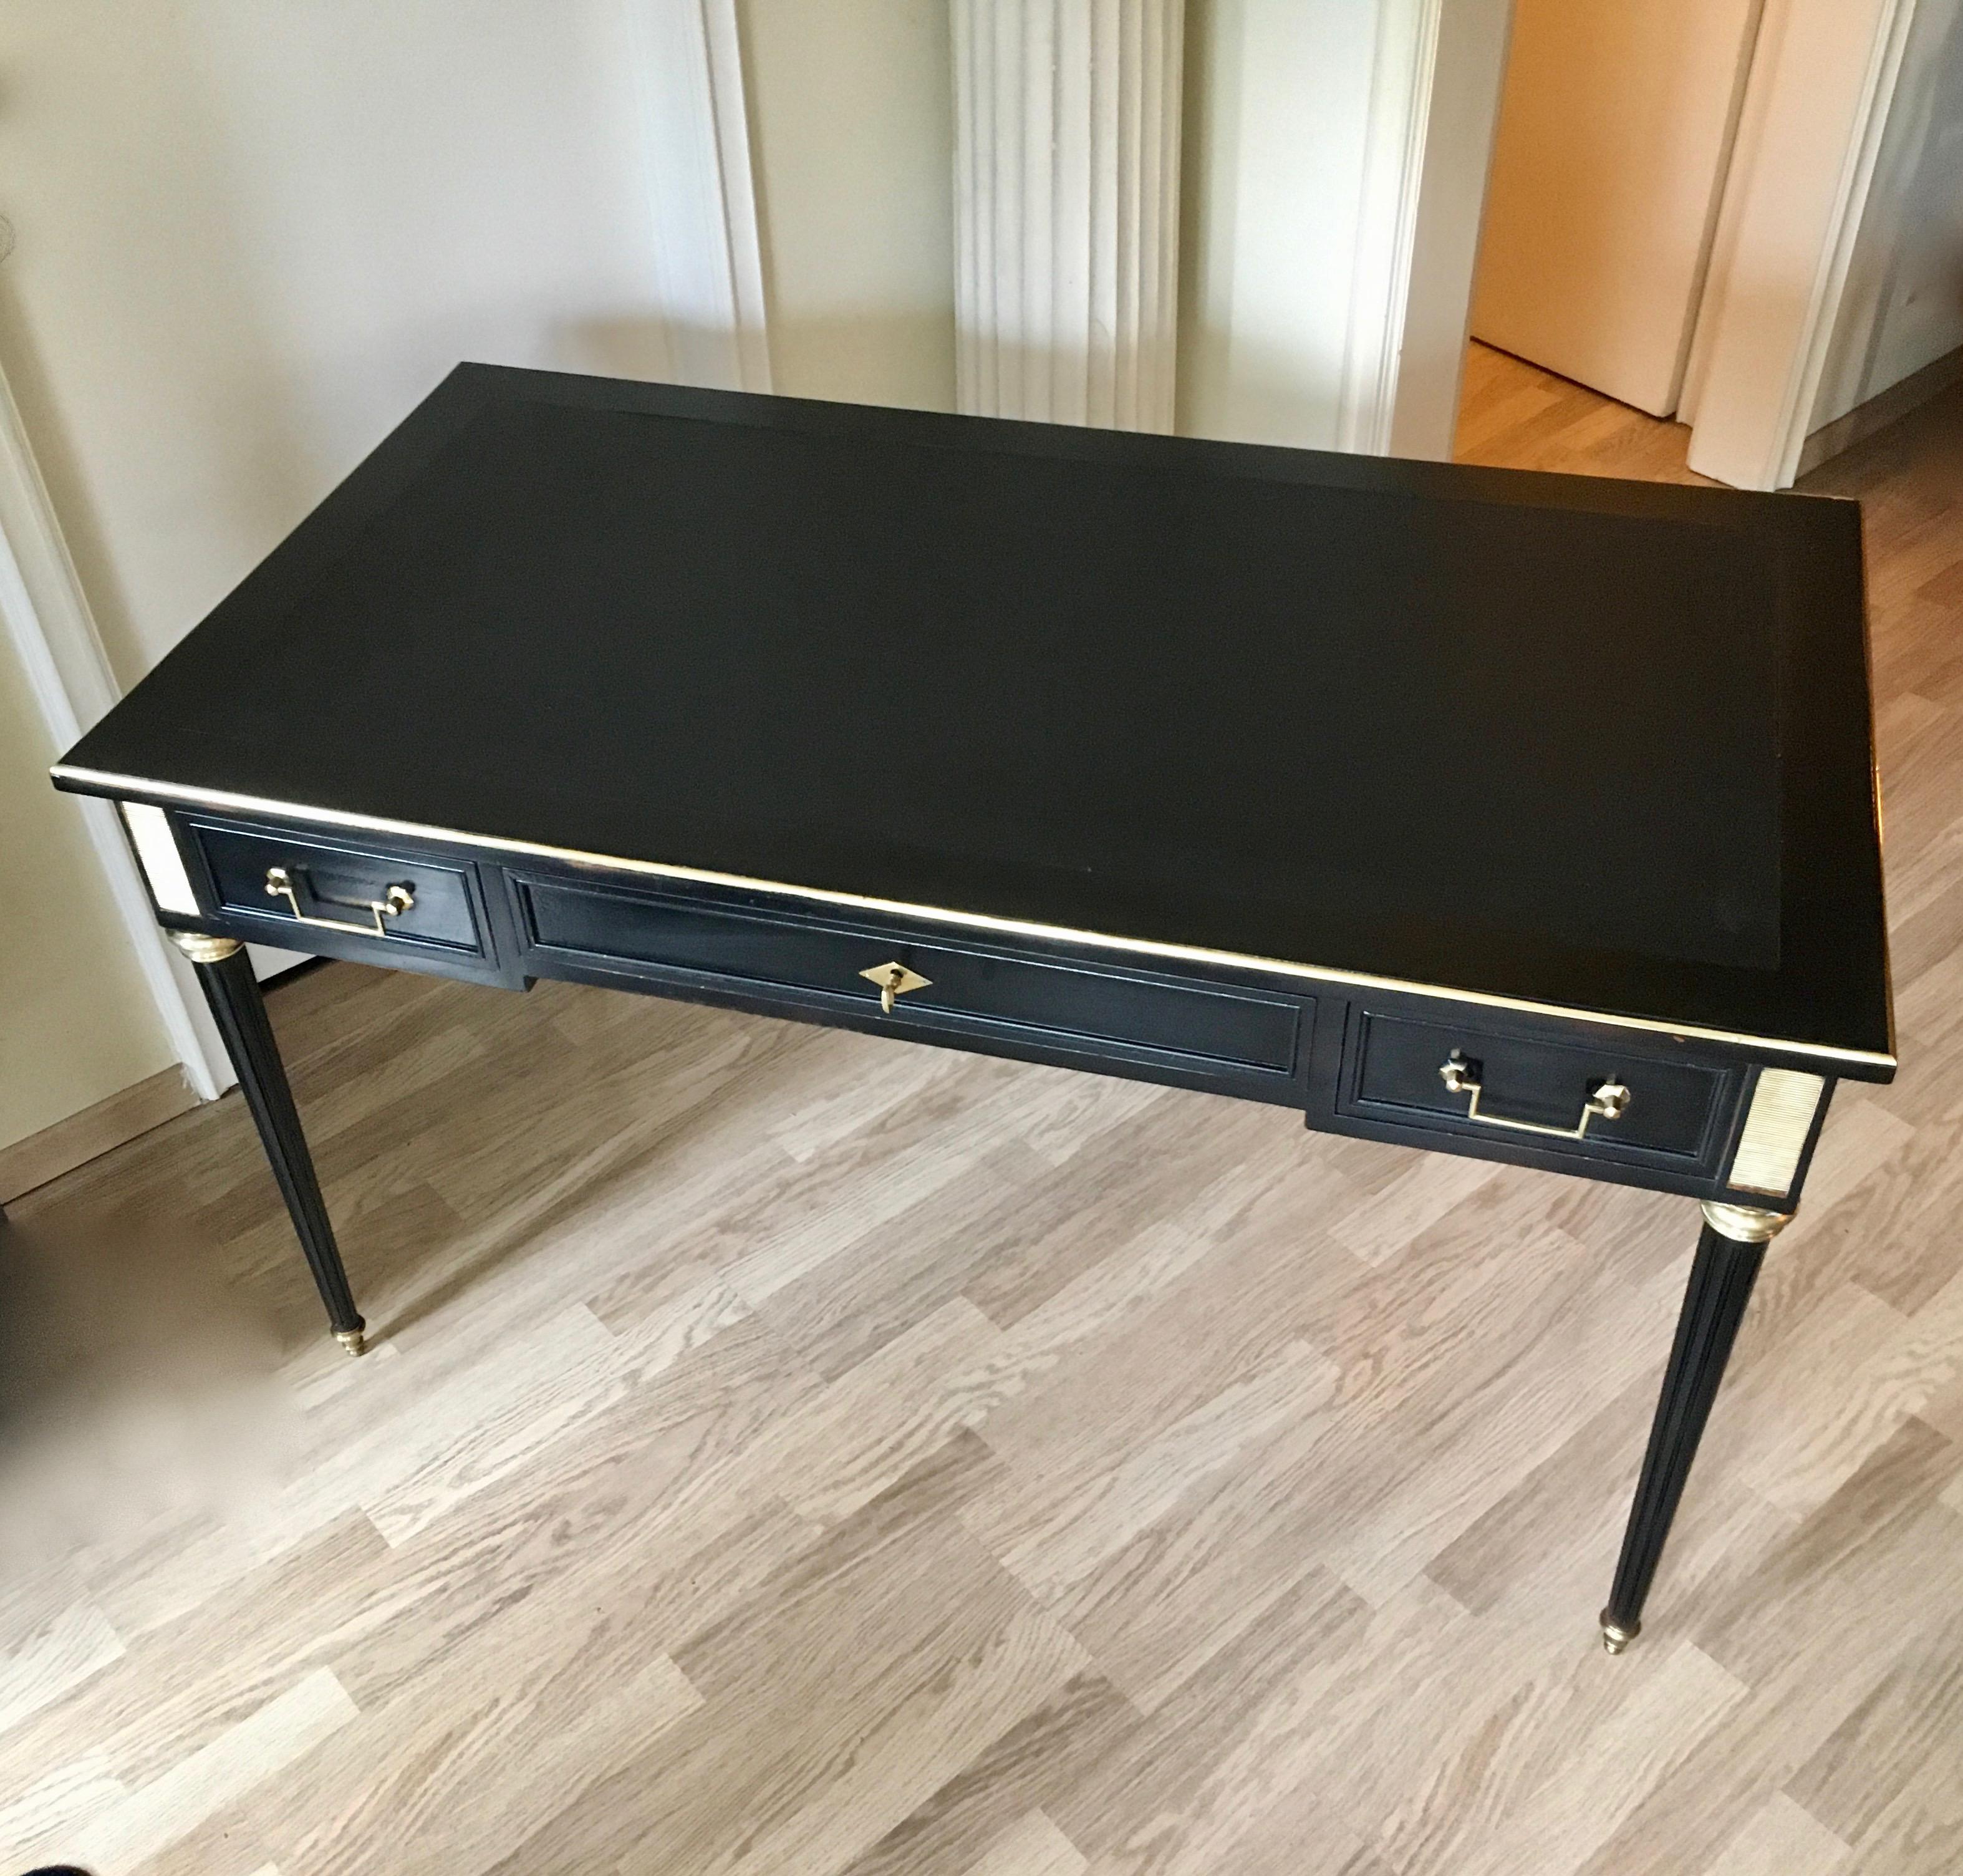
<point x="895" y="980"/>
<point x="393" y="904"/>
<point x="1610" y="1101"/>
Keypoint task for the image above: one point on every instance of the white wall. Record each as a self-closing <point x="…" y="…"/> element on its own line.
<point x="1335" y="158"/>
<point x="1277" y="113"/>
<point x="1903" y="305"/>
<point x="252" y="236"/>
<point x="852" y="136"/>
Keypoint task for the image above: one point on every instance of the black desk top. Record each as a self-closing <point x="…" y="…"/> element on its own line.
<point x="1599" y="745"/>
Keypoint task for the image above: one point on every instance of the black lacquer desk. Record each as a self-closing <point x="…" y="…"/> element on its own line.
<point x="1530" y="817"/>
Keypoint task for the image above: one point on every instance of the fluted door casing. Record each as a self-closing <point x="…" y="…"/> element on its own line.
<point x="1067" y="209"/>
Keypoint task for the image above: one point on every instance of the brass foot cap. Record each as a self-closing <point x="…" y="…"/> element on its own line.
<point x="1617" y="1639"/>
<point x="353" y="1340"/>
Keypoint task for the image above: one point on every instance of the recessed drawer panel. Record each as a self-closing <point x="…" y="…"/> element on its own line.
<point x="1242" y="1027"/>
<point x="1549" y="1095"/>
<point x="406" y="902"/>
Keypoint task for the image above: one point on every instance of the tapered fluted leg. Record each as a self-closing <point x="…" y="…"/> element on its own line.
<point x="225" y="972"/>
<point x="1729" y="1251"/>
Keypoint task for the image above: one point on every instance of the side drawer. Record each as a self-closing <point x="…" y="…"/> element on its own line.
<point x="404" y="902"/>
<point x="1243" y="1028"/>
<point x="1554" y="1096"/>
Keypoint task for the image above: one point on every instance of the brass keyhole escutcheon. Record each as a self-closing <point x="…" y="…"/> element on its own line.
<point x="895" y="980"/>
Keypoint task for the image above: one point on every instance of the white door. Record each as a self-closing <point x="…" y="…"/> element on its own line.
<point x="1616" y="129"/>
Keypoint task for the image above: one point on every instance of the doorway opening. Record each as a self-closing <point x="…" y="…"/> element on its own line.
<point x="1734" y="215"/>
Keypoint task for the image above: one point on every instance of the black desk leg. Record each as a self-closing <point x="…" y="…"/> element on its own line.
<point x="1729" y="1251"/>
<point x="225" y="972"/>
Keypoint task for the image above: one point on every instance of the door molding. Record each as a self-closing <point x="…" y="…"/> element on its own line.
<point x="1399" y="122"/>
<point x="1437" y="71"/>
<point x="47" y="618"/>
<point x="1823" y="74"/>
<point x="1066" y="209"/>
<point x="702" y="193"/>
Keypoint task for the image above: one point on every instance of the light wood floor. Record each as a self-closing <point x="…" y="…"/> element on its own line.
<point x="791" y="1452"/>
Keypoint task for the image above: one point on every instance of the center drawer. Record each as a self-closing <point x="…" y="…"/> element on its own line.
<point x="940" y="981"/>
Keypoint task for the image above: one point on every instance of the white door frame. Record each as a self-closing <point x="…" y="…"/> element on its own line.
<point x="1066" y="209"/>
<point x="1434" y="107"/>
<point x="1405" y="70"/>
<point x="46" y="615"/>
<point x="1823" y="72"/>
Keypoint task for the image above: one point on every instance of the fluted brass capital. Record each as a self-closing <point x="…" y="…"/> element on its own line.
<point x="1744" y="1224"/>
<point x="201" y="950"/>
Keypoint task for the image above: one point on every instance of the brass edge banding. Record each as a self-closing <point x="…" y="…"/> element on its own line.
<point x="1880" y="818"/>
<point x="976" y="921"/>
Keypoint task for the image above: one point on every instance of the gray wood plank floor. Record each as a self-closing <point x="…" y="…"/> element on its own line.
<point x="793" y="1451"/>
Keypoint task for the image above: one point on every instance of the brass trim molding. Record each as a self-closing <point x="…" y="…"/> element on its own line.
<point x="202" y="949"/>
<point x="219" y="798"/>
<point x="1744" y="1224"/>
